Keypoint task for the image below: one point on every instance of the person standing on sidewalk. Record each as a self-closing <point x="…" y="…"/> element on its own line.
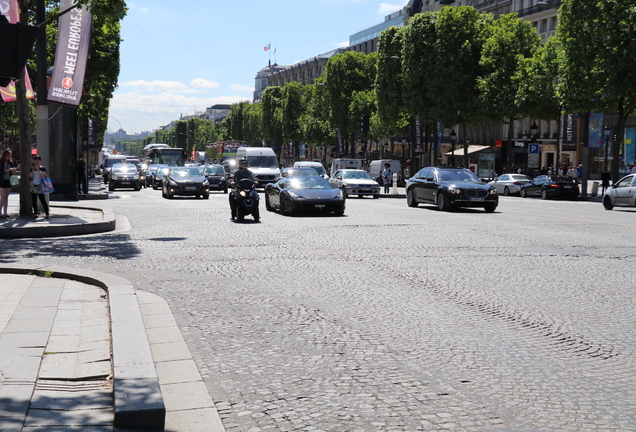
<point x="82" y="183"/>
<point x="38" y="172"/>
<point x="387" y="177"/>
<point x="5" y="182"/>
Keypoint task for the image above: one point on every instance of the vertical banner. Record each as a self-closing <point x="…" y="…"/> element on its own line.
<point x="9" y="8"/>
<point x="89" y="134"/>
<point x="71" y="54"/>
<point x="596" y="131"/>
<point x="569" y="133"/>
<point x="416" y="134"/>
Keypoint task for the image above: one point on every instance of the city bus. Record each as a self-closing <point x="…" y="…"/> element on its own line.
<point x="166" y="155"/>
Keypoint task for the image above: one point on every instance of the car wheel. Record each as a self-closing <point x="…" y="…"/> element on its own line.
<point x="410" y="199"/>
<point x="268" y="206"/>
<point x="490" y="208"/>
<point x="441" y="202"/>
<point x="225" y="190"/>
<point x="523" y="193"/>
<point x="506" y="191"/>
<point x="283" y="209"/>
<point x="256" y="214"/>
<point x="240" y="216"/>
<point x="137" y="188"/>
<point x="376" y="196"/>
<point x="544" y="194"/>
<point x="168" y="194"/>
<point x="607" y="203"/>
<point x="111" y="187"/>
<point x="338" y="212"/>
<point x="206" y="196"/>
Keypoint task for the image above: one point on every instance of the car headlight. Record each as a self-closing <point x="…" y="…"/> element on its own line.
<point x="454" y="191"/>
<point x="206" y="183"/>
<point x="173" y="183"/>
<point x="222" y="179"/>
<point x="292" y="194"/>
<point x="339" y="195"/>
<point x="114" y="177"/>
<point x="136" y="177"/>
<point x="493" y="191"/>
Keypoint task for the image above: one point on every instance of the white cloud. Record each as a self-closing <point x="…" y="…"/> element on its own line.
<point x="166" y="86"/>
<point x="138" y="112"/>
<point x="388" y="8"/>
<point x="343" y="44"/>
<point x="201" y="83"/>
<point x="143" y="10"/>
<point x="239" y="87"/>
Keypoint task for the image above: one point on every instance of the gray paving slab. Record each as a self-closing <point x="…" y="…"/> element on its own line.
<point x="194" y="420"/>
<point x="188" y="395"/>
<point x="179" y="371"/>
<point x="70" y="400"/>
<point x="14" y="400"/>
<point x="74" y="417"/>
<point x="11" y="424"/>
<point x="170" y="351"/>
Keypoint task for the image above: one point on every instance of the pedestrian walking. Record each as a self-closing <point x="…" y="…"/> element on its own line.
<point x="387" y="177"/>
<point x="82" y="182"/>
<point x="37" y="174"/>
<point x="633" y="170"/>
<point x="5" y="182"/>
<point x="579" y="173"/>
<point x="572" y="173"/>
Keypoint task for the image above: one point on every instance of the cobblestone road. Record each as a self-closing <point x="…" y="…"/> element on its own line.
<point x="389" y="318"/>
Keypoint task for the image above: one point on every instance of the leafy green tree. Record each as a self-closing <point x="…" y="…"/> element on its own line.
<point x="316" y="128"/>
<point x="599" y="45"/>
<point x="292" y="111"/>
<point x="388" y="82"/>
<point x="271" y="101"/>
<point x="346" y="74"/>
<point x="511" y="40"/>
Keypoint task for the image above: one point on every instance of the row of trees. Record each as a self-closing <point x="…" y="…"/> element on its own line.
<point x="460" y="67"/>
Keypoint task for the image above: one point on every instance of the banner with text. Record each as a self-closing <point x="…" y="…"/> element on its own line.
<point x="10" y="10"/>
<point x="71" y="54"/>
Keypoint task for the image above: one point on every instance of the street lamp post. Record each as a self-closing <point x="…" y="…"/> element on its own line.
<point x="607" y="130"/>
<point x="453" y="139"/>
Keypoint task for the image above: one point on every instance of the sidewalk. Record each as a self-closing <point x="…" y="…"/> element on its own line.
<point x="85" y="351"/>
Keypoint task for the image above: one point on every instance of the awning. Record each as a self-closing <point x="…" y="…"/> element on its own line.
<point x="471" y="149"/>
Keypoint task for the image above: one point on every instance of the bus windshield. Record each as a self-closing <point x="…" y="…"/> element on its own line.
<point x="168" y="156"/>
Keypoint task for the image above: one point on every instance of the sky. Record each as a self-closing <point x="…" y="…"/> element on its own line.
<point x="180" y="57"/>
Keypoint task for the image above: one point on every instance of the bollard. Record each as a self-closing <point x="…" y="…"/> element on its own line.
<point x="595" y="189"/>
<point x="394" y="190"/>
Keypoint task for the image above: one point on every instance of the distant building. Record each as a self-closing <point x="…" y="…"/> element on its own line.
<point x="216" y="112"/>
<point x="262" y="79"/>
<point x="366" y="41"/>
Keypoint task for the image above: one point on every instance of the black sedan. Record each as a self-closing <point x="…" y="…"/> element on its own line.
<point x="304" y="194"/>
<point x="551" y="186"/>
<point x="449" y="188"/>
<point x="185" y="181"/>
<point x="124" y="175"/>
<point x="217" y="178"/>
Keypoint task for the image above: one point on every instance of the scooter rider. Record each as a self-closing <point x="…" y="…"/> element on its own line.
<point x="242" y="172"/>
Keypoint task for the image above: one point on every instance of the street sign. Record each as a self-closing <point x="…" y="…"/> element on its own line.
<point x="533" y="148"/>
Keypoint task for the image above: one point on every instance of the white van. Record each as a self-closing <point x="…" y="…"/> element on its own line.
<point x="377" y="166"/>
<point x="315" y="165"/>
<point x="262" y="162"/>
<point x="338" y="164"/>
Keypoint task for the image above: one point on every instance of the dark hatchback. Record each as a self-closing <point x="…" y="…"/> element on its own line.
<point x="448" y="188"/>
<point x="185" y="181"/>
<point x="124" y="175"/>
<point x="217" y="178"/>
<point x="304" y="194"/>
<point x="551" y="186"/>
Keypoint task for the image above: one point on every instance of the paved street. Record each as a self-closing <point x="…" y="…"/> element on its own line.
<point x="390" y="318"/>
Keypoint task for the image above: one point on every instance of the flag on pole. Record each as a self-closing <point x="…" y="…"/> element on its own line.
<point x="266" y="47"/>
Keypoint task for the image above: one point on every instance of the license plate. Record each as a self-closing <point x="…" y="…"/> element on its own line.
<point x="125" y="183"/>
<point x="365" y="190"/>
<point x="190" y="188"/>
<point x="477" y="199"/>
<point x="214" y="185"/>
<point x="567" y="187"/>
<point x="319" y="206"/>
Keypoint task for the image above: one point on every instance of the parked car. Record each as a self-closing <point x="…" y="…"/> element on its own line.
<point x="507" y="184"/>
<point x="621" y="194"/>
<point x="449" y="188"/>
<point x="186" y="181"/>
<point x="150" y="174"/>
<point x="304" y="193"/>
<point x="551" y="186"/>
<point x="157" y="177"/>
<point x="123" y="175"/>
<point x="298" y="171"/>
<point x="315" y="165"/>
<point x="355" y="182"/>
<point x="217" y="178"/>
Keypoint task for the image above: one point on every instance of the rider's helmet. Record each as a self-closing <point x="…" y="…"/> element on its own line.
<point x="242" y="163"/>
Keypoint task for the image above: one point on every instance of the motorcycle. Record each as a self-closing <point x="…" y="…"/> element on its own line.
<point x="244" y="200"/>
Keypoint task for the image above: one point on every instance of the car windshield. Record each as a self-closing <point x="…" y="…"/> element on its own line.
<point x="520" y="177"/>
<point x="262" y="162"/>
<point x="124" y="167"/>
<point x="218" y="171"/>
<point x="110" y="162"/>
<point x="358" y="175"/>
<point x="457" y="175"/>
<point x="297" y="172"/>
<point x="162" y="170"/>
<point x="307" y="182"/>
<point x="185" y="172"/>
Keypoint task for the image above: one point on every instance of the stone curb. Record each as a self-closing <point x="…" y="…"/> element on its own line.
<point x="62" y="230"/>
<point x="138" y="401"/>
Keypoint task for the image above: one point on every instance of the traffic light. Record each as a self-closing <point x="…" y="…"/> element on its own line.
<point x="16" y="45"/>
<point x="364" y="125"/>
